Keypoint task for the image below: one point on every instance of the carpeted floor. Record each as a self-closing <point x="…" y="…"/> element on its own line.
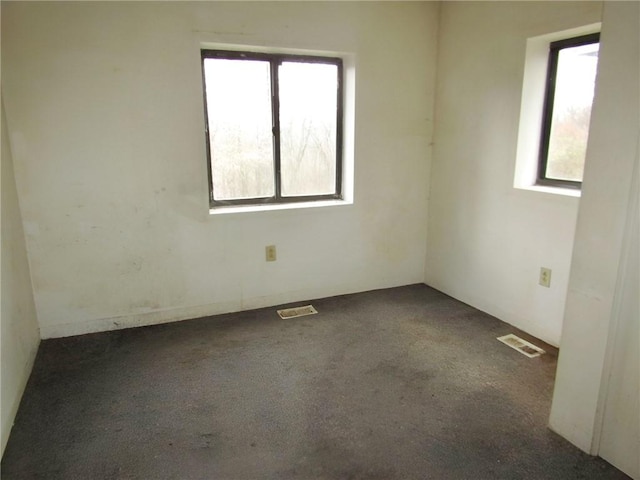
<point x="404" y="383"/>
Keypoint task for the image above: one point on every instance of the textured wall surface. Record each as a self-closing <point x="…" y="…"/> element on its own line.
<point x="107" y="124"/>
<point x="486" y="239"/>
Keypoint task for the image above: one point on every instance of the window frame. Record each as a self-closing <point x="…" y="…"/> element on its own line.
<point x="547" y="114"/>
<point x="275" y="60"/>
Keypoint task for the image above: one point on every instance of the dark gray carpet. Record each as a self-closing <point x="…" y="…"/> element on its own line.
<point x="404" y="383"/>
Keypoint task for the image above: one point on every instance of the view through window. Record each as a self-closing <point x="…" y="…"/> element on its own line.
<point x="569" y="96"/>
<point x="274" y="127"/>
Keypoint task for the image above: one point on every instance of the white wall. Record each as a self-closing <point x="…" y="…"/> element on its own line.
<point x="620" y="438"/>
<point x="104" y="107"/>
<point x="18" y="324"/>
<point x="597" y="378"/>
<point x="486" y="240"/>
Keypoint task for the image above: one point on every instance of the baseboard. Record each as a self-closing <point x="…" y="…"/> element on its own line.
<point x="186" y="313"/>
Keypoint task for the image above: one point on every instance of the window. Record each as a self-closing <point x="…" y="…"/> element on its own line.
<point x="274" y="127"/>
<point x="571" y="75"/>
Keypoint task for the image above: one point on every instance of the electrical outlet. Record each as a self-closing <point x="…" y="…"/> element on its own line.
<point x="545" y="277"/>
<point x="270" y="253"/>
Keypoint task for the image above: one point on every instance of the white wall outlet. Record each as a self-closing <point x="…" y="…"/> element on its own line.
<point x="545" y="277"/>
<point x="270" y="253"/>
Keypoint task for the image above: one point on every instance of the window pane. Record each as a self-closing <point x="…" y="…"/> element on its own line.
<point x="240" y="137"/>
<point x="308" y="110"/>
<point x="575" y="82"/>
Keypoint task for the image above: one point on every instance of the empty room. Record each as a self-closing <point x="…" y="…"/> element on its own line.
<point x="320" y="240"/>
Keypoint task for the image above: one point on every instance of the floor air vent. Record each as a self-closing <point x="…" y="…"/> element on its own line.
<point x="297" y="312"/>
<point x="524" y="347"/>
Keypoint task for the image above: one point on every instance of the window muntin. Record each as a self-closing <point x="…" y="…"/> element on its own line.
<point x="274" y="127"/>
<point x="567" y="112"/>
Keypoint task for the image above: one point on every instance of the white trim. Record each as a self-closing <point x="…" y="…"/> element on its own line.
<point x="277" y="206"/>
<point x="623" y="265"/>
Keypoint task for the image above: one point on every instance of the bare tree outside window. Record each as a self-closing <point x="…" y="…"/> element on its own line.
<point x="238" y="96"/>
<point x="308" y="128"/>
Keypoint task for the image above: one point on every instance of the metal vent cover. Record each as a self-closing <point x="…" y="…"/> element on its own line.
<point x="297" y="312"/>
<point x="524" y="347"/>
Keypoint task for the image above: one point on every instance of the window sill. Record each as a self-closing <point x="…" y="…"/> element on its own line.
<point x="567" y="192"/>
<point x="278" y="206"/>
